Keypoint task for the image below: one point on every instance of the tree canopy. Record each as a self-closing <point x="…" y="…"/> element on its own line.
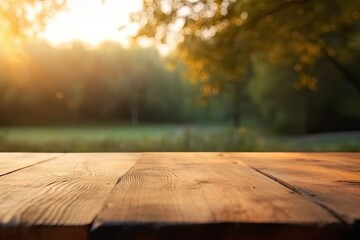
<point x="21" y="17"/>
<point x="222" y="36"/>
<point x="20" y="20"/>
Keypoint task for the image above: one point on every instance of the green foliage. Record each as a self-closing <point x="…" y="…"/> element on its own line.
<point x="293" y="64"/>
<point x="77" y="84"/>
<point x="223" y="35"/>
<point x="283" y="108"/>
<point x="219" y="39"/>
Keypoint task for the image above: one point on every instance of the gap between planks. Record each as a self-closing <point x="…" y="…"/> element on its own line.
<point x="16" y="157"/>
<point x="345" y="164"/>
<point x="305" y="194"/>
<point x="65" y="198"/>
<point x="184" y="191"/>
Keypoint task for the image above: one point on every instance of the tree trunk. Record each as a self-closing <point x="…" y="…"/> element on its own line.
<point x="348" y="75"/>
<point x="236" y="106"/>
<point x="135" y="113"/>
<point x="236" y="110"/>
<point x="239" y="93"/>
<point x="237" y="118"/>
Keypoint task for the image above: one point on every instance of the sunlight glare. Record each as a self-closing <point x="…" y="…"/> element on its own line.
<point x="93" y="21"/>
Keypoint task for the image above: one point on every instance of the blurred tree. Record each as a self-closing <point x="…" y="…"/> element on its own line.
<point x="218" y="39"/>
<point x="20" y="19"/>
<point x="24" y="17"/>
<point x="333" y="106"/>
<point x="76" y="83"/>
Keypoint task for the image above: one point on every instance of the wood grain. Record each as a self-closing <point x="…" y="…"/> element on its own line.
<point x="65" y="192"/>
<point x="10" y="162"/>
<point x="207" y="196"/>
<point x="332" y="180"/>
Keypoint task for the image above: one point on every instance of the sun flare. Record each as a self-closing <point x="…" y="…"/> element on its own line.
<point x="93" y="22"/>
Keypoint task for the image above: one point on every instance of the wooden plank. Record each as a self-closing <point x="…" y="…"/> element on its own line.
<point x="10" y="162"/>
<point x="332" y="180"/>
<point x="65" y="193"/>
<point x="335" y="155"/>
<point x="206" y="196"/>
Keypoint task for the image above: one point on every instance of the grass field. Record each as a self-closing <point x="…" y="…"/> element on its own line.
<point x="167" y="137"/>
<point x="96" y="133"/>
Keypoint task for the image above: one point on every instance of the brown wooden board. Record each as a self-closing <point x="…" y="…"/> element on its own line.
<point x="10" y="162"/>
<point x="332" y="180"/>
<point x="207" y="196"/>
<point x="59" y="196"/>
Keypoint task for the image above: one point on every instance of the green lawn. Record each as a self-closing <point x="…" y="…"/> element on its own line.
<point x="95" y="133"/>
<point x="167" y="137"/>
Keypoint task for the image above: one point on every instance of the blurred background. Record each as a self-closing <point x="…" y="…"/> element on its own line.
<point x="179" y="75"/>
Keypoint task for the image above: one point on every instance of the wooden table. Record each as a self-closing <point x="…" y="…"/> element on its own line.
<point x="106" y="196"/>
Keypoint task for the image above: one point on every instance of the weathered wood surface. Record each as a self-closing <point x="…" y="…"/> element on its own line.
<point x="10" y="162"/>
<point x="67" y="191"/>
<point x="176" y="189"/>
<point x="179" y="196"/>
<point x="331" y="180"/>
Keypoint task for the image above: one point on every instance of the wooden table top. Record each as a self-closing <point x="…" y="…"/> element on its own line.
<point x="108" y="196"/>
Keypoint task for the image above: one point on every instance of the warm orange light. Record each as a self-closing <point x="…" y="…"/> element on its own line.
<point x="15" y="57"/>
